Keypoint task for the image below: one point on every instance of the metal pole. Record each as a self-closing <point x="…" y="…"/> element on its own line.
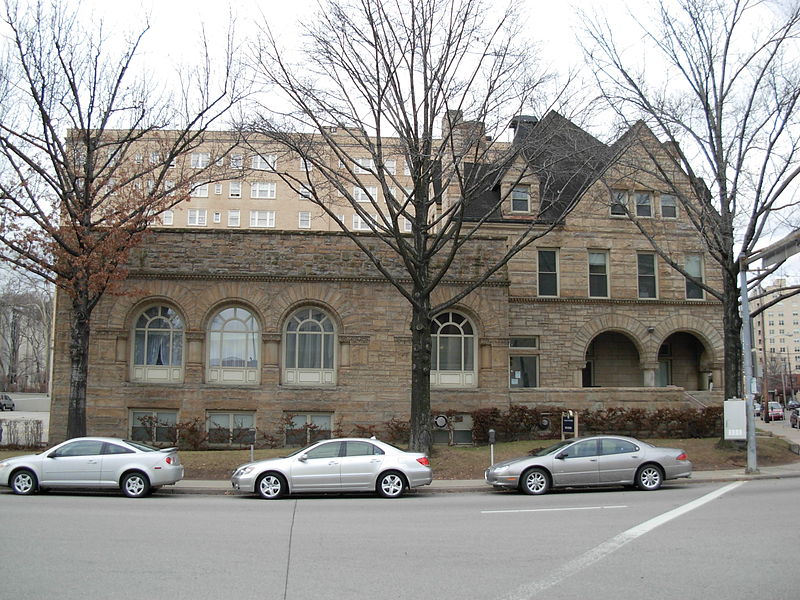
<point x="752" y="459"/>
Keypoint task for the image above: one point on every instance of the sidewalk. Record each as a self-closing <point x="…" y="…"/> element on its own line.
<point x="450" y="486"/>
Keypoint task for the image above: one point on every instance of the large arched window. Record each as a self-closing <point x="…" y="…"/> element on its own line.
<point x="309" y="344"/>
<point x="233" y="347"/>
<point x="452" y="351"/>
<point x="158" y="346"/>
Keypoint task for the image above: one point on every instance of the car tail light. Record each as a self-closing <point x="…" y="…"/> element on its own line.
<point x="168" y="460"/>
<point x="682" y="456"/>
<point x="424" y="461"/>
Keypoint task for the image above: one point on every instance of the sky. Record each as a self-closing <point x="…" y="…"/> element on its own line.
<point x="175" y="23"/>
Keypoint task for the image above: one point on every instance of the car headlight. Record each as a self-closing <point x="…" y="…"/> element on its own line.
<point x="502" y="469"/>
<point x="243" y="471"/>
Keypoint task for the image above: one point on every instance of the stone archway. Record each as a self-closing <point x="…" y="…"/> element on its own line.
<point x="612" y="360"/>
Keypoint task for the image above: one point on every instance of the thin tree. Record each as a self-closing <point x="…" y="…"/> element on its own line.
<point x="721" y="88"/>
<point x="382" y="92"/>
<point x="87" y="165"/>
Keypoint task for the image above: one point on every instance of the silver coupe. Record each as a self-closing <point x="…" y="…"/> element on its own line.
<point x="606" y="460"/>
<point x="93" y="462"/>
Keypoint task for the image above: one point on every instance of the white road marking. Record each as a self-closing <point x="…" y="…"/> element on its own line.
<point x="534" y="510"/>
<point x="599" y="552"/>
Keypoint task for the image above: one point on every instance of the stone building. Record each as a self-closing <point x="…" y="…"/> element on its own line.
<point x="289" y="334"/>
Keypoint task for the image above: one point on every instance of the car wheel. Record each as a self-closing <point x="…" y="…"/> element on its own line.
<point x="271" y="486"/>
<point x="23" y="482"/>
<point x="135" y="485"/>
<point x="649" y="477"/>
<point x="535" y="482"/>
<point x="391" y="484"/>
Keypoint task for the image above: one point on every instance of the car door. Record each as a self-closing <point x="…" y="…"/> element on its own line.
<point x="618" y="460"/>
<point x="317" y="470"/>
<point x="576" y="464"/>
<point x="74" y="464"/>
<point x="360" y="465"/>
<point x="114" y="460"/>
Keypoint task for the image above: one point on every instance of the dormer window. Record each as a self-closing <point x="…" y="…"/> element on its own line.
<point x="521" y="199"/>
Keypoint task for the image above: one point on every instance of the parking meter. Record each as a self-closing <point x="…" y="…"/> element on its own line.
<point x="492" y="435"/>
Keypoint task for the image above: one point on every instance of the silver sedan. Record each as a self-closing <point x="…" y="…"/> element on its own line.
<point x="93" y="462"/>
<point x="607" y="460"/>
<point x="338" y="465"/>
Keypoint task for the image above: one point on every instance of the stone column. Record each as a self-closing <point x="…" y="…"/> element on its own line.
<point x="649" y="370"/>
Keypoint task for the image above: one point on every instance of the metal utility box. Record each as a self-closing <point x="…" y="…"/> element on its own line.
<point x="735" y="418"/>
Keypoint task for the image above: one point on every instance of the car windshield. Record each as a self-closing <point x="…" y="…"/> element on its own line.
<point x="553" y="448"/>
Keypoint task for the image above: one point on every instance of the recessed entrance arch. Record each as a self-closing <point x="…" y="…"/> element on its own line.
<point x="612" y="360"/>
<point x="684" y="361"/>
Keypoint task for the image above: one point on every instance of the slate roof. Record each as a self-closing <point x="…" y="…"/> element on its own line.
<point x="566" y="159"/>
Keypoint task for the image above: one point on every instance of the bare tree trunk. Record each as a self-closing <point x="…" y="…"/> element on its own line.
<point x="79" y="361"/>
<point x="732" y="326"/>
<point x="420" y="439"/>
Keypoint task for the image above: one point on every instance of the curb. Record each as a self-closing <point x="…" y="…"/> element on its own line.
<point x="476" y="487"/>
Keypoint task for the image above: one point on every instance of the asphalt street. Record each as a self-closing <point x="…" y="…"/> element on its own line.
<point x="706" y="540"/>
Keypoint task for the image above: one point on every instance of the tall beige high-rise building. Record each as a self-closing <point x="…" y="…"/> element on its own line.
<point x="777" y="340"/>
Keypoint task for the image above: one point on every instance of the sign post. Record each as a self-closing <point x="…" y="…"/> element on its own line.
<point x="568" y="423"/>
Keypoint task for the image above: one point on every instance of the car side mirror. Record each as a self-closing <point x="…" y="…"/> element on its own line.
<point x="561" y="455"/>
<point x="303" y="458"/>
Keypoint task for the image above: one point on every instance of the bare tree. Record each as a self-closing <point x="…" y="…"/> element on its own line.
<point x="91" y="155"/>
<point x="365" y="105"/>
<point x="26" y="309"/>
<point x="721" y="87"/>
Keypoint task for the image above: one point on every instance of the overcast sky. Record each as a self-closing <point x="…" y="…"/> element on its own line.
<point x="175" y="23"/>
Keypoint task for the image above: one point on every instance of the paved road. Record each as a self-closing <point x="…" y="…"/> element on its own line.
<point x="684" y="541"/>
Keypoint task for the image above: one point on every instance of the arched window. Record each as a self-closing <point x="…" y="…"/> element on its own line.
<point x="309" y="341"/>
<point x="158" y="346"/>
<point x="452" y="351"/>
<point x="234" y="342"/>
